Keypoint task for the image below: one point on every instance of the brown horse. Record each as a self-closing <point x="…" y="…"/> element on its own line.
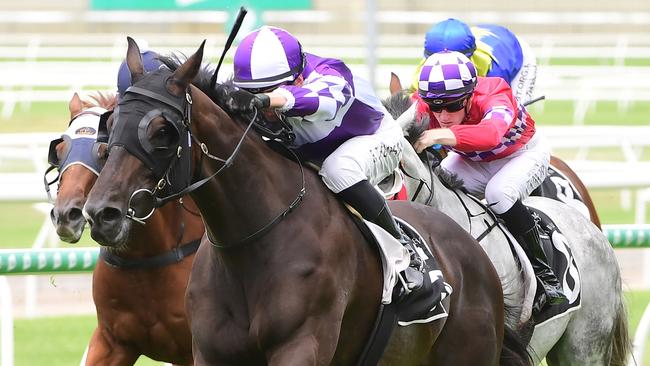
<point x="284" y="276"/>
<point x="138" y="287"/>
<point x="557" y="164"/>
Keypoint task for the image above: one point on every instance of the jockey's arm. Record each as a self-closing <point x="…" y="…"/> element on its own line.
<point x="442" y="136"/>
<point x="319" y="100"/>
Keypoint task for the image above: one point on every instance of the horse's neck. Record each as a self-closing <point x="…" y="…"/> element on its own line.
<point x="249" y="194"/>
<point x="449" y="202"/>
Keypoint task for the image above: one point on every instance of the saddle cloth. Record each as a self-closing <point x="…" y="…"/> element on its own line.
<point x="561" y="261"/>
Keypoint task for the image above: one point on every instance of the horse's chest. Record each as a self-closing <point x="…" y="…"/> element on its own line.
<point x="220" y="340"/>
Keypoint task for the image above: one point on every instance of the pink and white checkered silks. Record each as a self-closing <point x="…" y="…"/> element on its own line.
<point x="266" y="57"/>
<point x="447" y="75"/>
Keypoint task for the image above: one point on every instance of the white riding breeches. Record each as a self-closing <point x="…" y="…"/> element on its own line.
<point x="523" y="83"/>
<point x="367" y="157"/>
<point x="503" y="181"/>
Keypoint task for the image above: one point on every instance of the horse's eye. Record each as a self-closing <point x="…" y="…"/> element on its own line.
<point x="163" y="136"/>
<point x="100" y="151"/>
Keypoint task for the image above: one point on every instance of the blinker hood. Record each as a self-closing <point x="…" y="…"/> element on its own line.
<point x="146" y="100"/>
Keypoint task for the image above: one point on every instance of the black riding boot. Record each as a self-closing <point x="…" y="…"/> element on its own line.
<point x="364" y="198"/>
<point x="523" y="227"/>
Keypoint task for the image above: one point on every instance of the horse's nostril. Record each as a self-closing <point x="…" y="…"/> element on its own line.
<point x="75" y="214"/>
<point x="109" y="214"/>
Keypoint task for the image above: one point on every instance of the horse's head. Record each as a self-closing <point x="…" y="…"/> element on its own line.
<point x="148" y="149"/>
<point x="75" y="158"/>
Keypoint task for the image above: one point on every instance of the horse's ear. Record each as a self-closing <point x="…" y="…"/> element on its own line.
<point x="395" y="84"/>
<point x="134" y="60"/>
<point x="185" y="73"/>
<point x="75" y="106"/>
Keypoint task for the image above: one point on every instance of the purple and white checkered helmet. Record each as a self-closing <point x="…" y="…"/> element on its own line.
<point x="266" y="57"/>
<point x="447" y="75"/>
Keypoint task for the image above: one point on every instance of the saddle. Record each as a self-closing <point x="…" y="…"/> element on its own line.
<point x="558" y="187"/>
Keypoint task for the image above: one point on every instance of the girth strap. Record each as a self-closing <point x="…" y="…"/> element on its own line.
<point x="175" y="255"/>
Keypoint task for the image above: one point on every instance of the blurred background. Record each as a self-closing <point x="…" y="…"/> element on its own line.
<point x="594" y="70"/>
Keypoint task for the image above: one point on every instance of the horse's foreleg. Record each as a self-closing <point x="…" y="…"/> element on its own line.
<point x="302" y="350"/>
<point x="104" y="352"/>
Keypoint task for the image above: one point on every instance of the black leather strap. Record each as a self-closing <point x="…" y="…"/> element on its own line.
<point x="175" y="255"/>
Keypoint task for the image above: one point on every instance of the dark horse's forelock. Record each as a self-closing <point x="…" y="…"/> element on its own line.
<point x="202" y="79"/>
<point x="397" y="104"/>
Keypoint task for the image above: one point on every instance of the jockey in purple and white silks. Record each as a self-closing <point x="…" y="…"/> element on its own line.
<point x="336" y="116"/>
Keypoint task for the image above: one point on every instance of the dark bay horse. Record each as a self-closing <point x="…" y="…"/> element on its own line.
<point x="283" y="276"/>
<point x="400" y="97"/>
<point x="138" y="286"/>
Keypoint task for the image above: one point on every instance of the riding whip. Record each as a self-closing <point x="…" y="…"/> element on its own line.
<point x="231" y="38"/>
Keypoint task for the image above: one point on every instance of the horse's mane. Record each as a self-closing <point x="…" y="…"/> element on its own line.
<point x="449" y="179"/>
<point x="99" y="99"/>
<point x="397" y="104"/>
<point x="202" y="79"/>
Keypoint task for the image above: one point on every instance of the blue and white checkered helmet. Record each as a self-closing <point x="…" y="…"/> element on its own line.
<point x="447" y="75"/>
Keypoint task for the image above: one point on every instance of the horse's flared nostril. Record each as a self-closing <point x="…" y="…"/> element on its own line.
<point x="53" y="215"/>
<point x="110" y="214"/>
<point x="102" y="215"/>
<point x="75" y="214"/>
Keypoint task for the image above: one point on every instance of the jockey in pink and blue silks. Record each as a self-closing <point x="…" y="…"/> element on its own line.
<point x="493" y="49"/>
<point x="336" y="117"/>
<point x="492" y="147"/>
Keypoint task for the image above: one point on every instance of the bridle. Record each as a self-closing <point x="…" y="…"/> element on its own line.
<point x="183" y="125"/>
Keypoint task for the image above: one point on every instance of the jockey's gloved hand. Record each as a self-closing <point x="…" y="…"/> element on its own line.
<point x="238" y="100"/>
<point x="223" y="92"/>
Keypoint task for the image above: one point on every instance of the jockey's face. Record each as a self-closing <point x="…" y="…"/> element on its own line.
<point x="448" y="118"/>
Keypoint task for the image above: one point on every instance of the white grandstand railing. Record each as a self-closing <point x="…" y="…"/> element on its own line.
<point x="73" y="47"/>
<point x="556" y="82"/>
<point x="632" y="173"/>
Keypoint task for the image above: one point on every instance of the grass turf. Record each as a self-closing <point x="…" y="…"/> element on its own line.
<point x="55" y="341"/>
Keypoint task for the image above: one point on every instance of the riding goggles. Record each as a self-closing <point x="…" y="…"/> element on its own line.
<point x="438" y="105"/>
<point x="267" y="89"/>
